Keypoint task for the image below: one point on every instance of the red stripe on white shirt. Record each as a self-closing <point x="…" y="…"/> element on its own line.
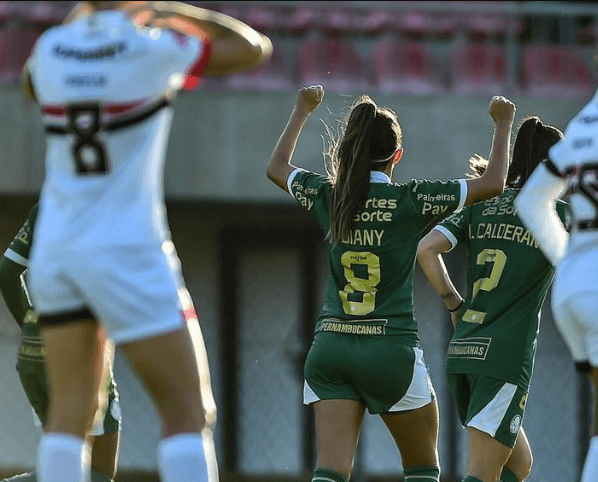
<point x="196" y="71"/>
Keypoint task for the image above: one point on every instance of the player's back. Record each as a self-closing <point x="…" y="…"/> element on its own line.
<point x="104" y="86"/>
<point x="576" y="159"/>
<point x="508" y="279"/>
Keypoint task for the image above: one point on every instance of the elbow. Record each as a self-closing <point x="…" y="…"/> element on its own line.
<point x="270" y="171"/>
<point x="258" y="52"/>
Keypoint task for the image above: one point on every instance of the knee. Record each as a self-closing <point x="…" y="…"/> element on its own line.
<point x="523" y="467"/>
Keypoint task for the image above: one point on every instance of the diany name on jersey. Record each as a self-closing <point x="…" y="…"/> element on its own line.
<point x="508" y="232"/>
<point x="364" y="237"/>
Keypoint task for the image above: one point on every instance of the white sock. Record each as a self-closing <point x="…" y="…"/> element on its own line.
<point x="187" y="457"/>
<point x="590" y="467"/>
<point x="62" y="457"/>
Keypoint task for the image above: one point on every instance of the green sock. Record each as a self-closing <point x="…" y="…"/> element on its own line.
<point x="508" y="476"/>
<point x="422" y="474"/>
<point x="327" y="475"/>
<point x="471" y="478"/>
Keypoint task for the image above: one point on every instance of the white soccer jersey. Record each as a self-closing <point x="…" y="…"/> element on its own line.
<point x="571" y="170"/>
<point x="104" y="86"/>
<point x="575" y="160"/>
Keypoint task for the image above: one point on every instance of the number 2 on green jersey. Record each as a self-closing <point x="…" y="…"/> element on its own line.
<point x="362" y="271"/>
<point x="498" y="259"/>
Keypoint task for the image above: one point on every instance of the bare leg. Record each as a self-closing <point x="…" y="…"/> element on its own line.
<point x="74" y="361"/>
<point x="486" y="456"/>
<point x="104" y="453"/>
<point x="416" y="434"/>
<point x="168" y="366"/>
<point x="338" y="424"/>
<point x="521" y="460"/>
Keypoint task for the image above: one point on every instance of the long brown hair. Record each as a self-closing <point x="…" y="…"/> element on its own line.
<point x="369" y="138"/>
<point x="533" y="141"/>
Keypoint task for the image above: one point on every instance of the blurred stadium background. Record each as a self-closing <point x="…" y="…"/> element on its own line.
<point x="255" y="263"/>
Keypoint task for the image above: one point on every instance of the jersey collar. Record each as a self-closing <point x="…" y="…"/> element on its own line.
<point x="379" y="176"/>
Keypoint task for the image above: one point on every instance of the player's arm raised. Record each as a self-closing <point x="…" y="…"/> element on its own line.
<point x="492" y="182"/>
<point x="235" y="45"/>
<point x="280" y="167"/>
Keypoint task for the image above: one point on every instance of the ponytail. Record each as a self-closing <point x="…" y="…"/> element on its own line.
<point x="534" y="139"/>
<point x="352" y="181"/>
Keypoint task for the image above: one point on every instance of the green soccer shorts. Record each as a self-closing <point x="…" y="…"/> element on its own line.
<point x="33" y="379"/>
<point x="489" y="405"/>
<point x="380" y="371"/>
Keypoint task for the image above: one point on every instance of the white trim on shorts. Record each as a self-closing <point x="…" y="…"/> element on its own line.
<point x="488" y="419"/>
<point x="309" y="396"/>
<point x="421" y="392"/>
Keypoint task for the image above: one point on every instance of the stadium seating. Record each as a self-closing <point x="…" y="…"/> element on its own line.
<point x="405" y="67"/>
<point x="478" y="68"/>
<point x="555" y="71"/>
<point x="333" y="62"/>
<point x="300" y="20"/>
<point x="263" y="18"/>
<point x="374" y="22"/>
<point x="274" y="75"/>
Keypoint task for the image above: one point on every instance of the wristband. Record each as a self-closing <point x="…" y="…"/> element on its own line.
<point x="457" y="307"/>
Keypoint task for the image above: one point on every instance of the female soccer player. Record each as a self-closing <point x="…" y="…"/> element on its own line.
<point x="103" y="259"/>
<point x="365" y="353"/>
<point x="491" y="354"/>
<point x="105" y="434"/>
<point x="572" y="169"/>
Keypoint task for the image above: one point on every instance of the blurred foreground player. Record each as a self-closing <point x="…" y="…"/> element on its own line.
<point x="105" y="432"/>
<point x="572" y="170"/>
<point x="102" y="257"/>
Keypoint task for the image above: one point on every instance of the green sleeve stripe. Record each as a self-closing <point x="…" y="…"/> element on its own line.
<point x="448" y="235"/>
<point x="463" y="183"/>
<point x="16" y="257"/>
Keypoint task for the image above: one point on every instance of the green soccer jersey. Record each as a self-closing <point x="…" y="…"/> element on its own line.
<point x="370" y="283"/>
<point x="18" y="252"/>
<point x="508" y="278"/>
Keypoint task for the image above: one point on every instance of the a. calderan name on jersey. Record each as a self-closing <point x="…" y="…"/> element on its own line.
<point x="508" y="232"/>
<point x="103" y="52"/>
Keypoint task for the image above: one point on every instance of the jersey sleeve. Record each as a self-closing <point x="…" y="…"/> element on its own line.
<point x="536" y="206"/>
<point x="190" y="55"/>
<point x="310" y="191"/>
<point x="433" y="200"/>
<point x="18" y="250"/>
<point x="454" y="228"/>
